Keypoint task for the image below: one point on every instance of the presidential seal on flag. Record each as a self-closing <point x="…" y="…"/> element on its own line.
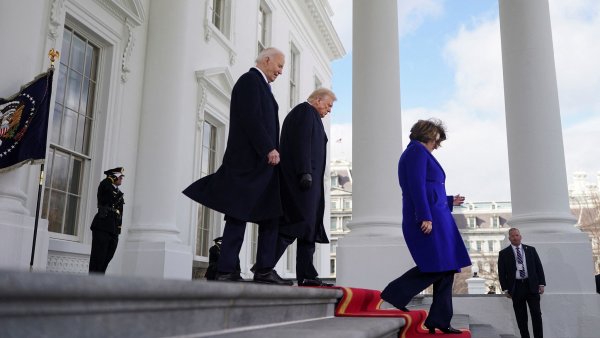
<point x="24" y="124"/>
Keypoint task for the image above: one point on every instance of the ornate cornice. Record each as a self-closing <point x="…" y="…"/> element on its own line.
<point x="131" y="10"/>
<point x="321" y="12"/>
<point x="57" y="10"/>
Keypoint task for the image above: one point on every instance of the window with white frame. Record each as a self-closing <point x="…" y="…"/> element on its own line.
<point x="334" y="204"/>
<point x="347" y="204"/>
<point x="345" y="221"/>
<point x="472" y="222"/>
<point x="294" y="66"/>
<point x="491" y="245"/>
<point x="495" y="221"/>
<point x="333" y="224"/>
<point x="69" y="153"/>
<point x="318" y="83"/>
<point x="264" y="26"/>
<point x="220" y="16"/>
<point x="207" y="167"/>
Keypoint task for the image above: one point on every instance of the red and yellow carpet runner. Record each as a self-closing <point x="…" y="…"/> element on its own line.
<point x="366" y="303"/>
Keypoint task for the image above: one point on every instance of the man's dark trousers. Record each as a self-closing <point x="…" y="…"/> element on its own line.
<point x="521" y="297"/>
<point x="233" y="237"/>
<point x="104" y="245"/>
<point x="305" y="252"/>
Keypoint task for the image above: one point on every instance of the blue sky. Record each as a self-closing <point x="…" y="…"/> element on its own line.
<point x="450" y="68"/>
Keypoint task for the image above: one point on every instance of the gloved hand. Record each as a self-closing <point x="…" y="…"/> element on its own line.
<point x="305" y="181"/>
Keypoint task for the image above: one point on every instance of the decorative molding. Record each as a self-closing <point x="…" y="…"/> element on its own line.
<point x="320" y="14"/>
<point x="207" y="30"/>
<point x="127" y="51"/>
<point x="201" y="104"/>
<point x="57" y="11"/>
<point x="232" y="57"/>
<point x="70" y="264"/>
<point x="126" y="9"/>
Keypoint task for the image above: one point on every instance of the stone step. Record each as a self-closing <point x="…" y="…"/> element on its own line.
<point x="483" y="331"/>
<point x="332" y="327"/>
<point x="41" y="304"/>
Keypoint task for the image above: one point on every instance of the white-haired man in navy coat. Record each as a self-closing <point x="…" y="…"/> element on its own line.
<point x="246" y="186"/>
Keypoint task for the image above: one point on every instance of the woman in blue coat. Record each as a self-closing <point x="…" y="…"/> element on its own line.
<point x="429" y="229"/>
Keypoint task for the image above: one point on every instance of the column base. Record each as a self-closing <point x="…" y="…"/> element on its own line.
<point x="17" y="239"/>
<point x="372" y="257"/>
<point x="567" y="259"/>
<point x="157" y="259"/>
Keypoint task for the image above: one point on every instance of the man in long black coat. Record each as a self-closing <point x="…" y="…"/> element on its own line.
<point x="246" y="186"/>
<point x="522" y="279"/>
<point x="107" y="222"/>
<point x="303" y="160"/>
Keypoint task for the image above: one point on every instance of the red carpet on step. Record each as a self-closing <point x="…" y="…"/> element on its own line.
<point x="366" y="303"/>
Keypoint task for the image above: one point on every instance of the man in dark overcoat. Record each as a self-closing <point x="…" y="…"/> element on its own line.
<point x="246" y="186"/>
<point x="107" y="222"/>
<point x="303" y="160"/>
<point x="522" y="279"/>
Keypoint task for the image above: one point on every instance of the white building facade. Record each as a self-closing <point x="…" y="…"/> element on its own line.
<point x="144" y="85"/>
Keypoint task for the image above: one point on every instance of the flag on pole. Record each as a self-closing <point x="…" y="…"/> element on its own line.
<point x="24" y="123"/>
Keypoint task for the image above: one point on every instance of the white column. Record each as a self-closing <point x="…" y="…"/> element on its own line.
<point x="16" y="218"/>
<point x="537" y="169"/>
<point x="153" y="245"/>
<point x="374" y="252"/>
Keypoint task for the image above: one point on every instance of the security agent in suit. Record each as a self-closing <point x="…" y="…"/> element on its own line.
<point x="522" y="282"/>
<point x="246" y="186"/>
<point x="106" y="225"/>
<point x="303" y="160"/>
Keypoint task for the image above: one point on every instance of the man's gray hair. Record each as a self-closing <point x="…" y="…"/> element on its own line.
<point x="268" y="53"/>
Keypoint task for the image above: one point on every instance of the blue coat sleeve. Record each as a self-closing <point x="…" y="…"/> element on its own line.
<point x="416" y="172"/>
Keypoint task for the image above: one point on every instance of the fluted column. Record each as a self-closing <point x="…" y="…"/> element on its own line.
<point x="18" y="67"/>
<point x="376" y="234"/>
<point x="537" y="166"/>
<point x="154" y="246"/>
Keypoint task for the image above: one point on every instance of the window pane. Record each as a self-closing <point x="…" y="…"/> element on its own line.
<point x="206" y="130"/>
<point x="77" y="54"/>
<point x="89" y="110"/>
<point x="60" y="87"/>
<point x="60" y="171"/>
<point x="75" y="176"/>
<point x="85" y="93"/>
<point x="69" y="129"/>
<point x="66" y="46"/>
<point x="45" y="203"/>
<point x="56" y="122"/>
<point x="55" y="216"/>
<point x="80" y="137"/>
<point x="89" y="57"/>
<point x="87" y="136"/>
<point x="71" y="215"/>
<point x="73" y="89"/>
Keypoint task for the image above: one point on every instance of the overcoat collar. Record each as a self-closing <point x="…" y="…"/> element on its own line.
<point x="419" y="144"/>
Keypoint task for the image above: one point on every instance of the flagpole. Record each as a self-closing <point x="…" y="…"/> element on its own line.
<point x="37" y="215"/>
<point x="53" y="55"/>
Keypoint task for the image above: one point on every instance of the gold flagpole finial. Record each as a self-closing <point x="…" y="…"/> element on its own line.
<point x="53" y="54"/>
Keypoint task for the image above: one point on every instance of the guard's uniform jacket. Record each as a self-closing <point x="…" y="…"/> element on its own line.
<point x="110" y="208"/>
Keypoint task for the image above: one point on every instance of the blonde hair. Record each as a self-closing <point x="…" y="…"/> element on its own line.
<point x="320" y="93"/>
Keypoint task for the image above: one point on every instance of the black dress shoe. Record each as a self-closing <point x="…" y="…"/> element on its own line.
<point x="271" y="277"/>
<point x="313" y="282"/>
<point x="229" y="277"/>
<point x="448" y="330"/>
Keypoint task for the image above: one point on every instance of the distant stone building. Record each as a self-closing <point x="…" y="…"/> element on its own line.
<point x="584" y="199"/>
<point x="341" y="205"/>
